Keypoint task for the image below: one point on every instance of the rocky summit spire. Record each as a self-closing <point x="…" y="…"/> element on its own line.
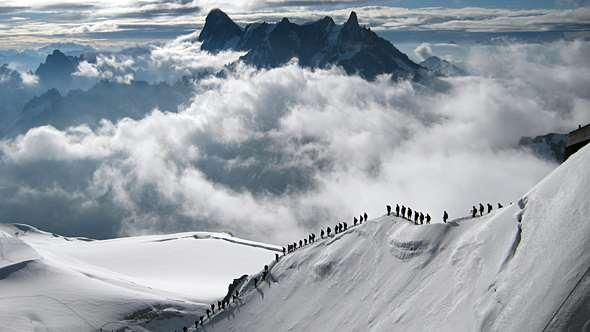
<point x="218" y="30"/>
<point x="352" y="20"/>
<point x="351" y="31"/>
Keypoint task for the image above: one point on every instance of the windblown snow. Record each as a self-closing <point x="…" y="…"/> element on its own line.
<point x="524" y="267"/>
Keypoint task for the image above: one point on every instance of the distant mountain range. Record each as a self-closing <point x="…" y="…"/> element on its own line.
<point x="319" y="44"/>
<point x="57" y="70"/>
<point x="106" y="100"/>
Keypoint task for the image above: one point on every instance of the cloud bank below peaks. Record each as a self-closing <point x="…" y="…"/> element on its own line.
<point x="271" y="154"/>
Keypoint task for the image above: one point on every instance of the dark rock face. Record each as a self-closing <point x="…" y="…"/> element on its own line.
<point x="549" y="147"/>
<point x="219" y="32"/>
<point x="57" y="70"/>
<point x="106" y="100"/>
<point x="317" y="44"/>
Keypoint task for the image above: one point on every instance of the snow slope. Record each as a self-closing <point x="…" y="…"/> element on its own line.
<point x="521" y="268"/>
<point x="53" y="283"/>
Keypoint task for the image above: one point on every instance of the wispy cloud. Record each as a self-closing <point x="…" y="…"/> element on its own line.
<point x="270" y="154"/>
<point x="92" y="20"/>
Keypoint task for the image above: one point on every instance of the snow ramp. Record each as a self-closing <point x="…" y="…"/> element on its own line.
<point x="520" y="268"/>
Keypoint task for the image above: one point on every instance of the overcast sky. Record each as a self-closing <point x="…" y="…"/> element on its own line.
<point x="32" y="22"/>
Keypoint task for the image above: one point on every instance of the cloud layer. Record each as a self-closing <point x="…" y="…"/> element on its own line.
<point x="271" y="154"/>
<point x="26" y="23"/>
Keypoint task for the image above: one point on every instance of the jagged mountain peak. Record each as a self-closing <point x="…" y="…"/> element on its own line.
<point x="352" y="20"/>
<point x="317" y="44"/>
<point x="220" y="32"/>
<point x="57" y="69"/>
<point x="218" y="16"/>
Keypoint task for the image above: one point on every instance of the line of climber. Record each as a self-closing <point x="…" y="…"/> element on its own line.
<point x="418" y="218"/>
<point x="482" y="209"/>
<point x="233" y="296"/>
<point x="311" y="238"/>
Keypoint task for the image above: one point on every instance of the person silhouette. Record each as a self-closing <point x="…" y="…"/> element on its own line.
<point x="480" y="209"/>
<point x="445" y="217"/>
<point x="397" y="210"/>
<point x="428" y="218"/>
<point x="366" y="217"/>
<point x="474" y="212"/>
<point x="388" y="209"/>
<point x="490" y="207"/>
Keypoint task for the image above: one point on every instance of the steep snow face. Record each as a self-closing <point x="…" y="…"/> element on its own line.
<point x="50" y="282"/>
<point x="520" y="268"/>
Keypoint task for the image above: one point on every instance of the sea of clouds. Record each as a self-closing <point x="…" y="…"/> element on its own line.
<point x="273" y="154"/>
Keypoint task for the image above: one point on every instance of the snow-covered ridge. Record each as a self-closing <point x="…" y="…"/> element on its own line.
<point x="525" y="267"/>
<point x="521" y="268"/>
<point x="78" y="284"/>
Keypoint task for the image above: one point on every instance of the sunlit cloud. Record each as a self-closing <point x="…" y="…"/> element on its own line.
<point x="271" y="154"/>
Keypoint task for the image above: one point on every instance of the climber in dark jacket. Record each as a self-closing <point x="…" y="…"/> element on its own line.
<point x="366" y="217"/>
<point x="361" y="219"/>
<point x="345" y="225"/>
<point x="277" y="257"/>
<point x="355" y="221"/>
<point x="490" y="207"/>
<point x="474" y="212"/>
<point x="284" y="251"/>
<point x="428" y="218"/>
<point x="388" y="209"/>
<point x="410" y="214"/>
<point x="328" y="230"/>
<point x="322" y="233"/>
<point x="500" y="206"/>
<point x="445" y="217"/>
<point x="300" y="243"/>
<point x="403" y="211"/>
<point x="421" y="218"/>
<point x="416" y="216"/>
<point x="480" y="209"/>
<point x="397" y="210"/>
